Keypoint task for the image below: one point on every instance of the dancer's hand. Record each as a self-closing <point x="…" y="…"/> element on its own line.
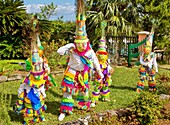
<point x="101" y="75"/>
<point x="150" y="65"/>
<point x="111" y="71"/>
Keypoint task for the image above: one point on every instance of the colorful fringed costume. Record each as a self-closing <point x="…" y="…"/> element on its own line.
<point x="81" y="59"/>
<point x="49" y="80"/>
<point x="148" y="63"/>
<point x="31" y="92"/>
<point x="101" y="84"/>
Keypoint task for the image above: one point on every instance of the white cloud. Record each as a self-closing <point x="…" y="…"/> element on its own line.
<point x="33" y="8"/>
<point x="67" y="10"/>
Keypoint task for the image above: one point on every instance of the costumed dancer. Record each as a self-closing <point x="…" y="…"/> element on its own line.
<point x="101" y="85"/>
<point x="31" y="92"/>
<point x="76" y="75"/>
<point x="148" y="66"/>
<point x="47" y="75"/>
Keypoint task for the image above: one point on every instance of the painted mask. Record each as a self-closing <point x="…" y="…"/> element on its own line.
<point x="102" y="57"/>
<point x="147" y="50"/>
<point x="36" y="61"/>
<point x="81" y="46"/>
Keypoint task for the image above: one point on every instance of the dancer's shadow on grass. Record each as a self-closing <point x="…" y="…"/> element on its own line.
<point x="123" y="87"/>
<point x="55" y="94"/>
<point x="9" y="97"/>
<point x="53" y="107"/>
<point x="13" y="116"/>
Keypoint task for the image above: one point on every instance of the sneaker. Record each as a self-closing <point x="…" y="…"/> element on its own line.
<point x="61" y="117"/>
<point x="43" y="119"/>
<point x="107" y="100"/>
<point x="152" y="89"/>
<point x="93" y="104"/>
<point x="138" y="90"/>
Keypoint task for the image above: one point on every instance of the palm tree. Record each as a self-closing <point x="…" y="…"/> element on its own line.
<point x="109" y="10"/>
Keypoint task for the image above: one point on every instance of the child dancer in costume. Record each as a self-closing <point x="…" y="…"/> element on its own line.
<point x="82" y="58"/>
<point x="101" y="84"/>
<point x="32" y="89"/>
<point x="47" y="76"/>
<point x="148" y="63"/>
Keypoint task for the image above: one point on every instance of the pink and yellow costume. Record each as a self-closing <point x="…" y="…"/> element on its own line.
<point x="76" y="76"/>
<point x="148" y="63"/>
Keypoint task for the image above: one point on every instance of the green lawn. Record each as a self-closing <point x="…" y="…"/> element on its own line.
<point x="11" y="65"/>
<point x="122" y="95"/>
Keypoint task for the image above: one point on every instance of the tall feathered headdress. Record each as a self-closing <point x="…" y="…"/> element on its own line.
<point x="35" y="43"/>
<point x="149" y="41"/>
<point x="102" y="42"/>
<point x="81" y="35"/>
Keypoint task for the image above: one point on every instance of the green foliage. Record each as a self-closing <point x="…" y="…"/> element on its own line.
<point x="146" y="109"/>
<point x="159" y="11"/>
<point x="99" y="10"/>
<point x="164" y="83"/>
<point x="150" y="14"/>
<point x="61" y="30"/>
<point x="47" y="11"/>
<point x="55" y="31"/>
<point x="124" y="16"/>
<point x="54" y="59"/>
<point x="11" y="46"/>
<point x="164" y="88"/>
<point x="11" y="15"/>
<point x="17" y="33"/>
<point x="5" y="103"/>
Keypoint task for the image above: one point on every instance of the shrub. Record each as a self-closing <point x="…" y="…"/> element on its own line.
<point x="146" y="109"/>
<point x="50" y="52"/>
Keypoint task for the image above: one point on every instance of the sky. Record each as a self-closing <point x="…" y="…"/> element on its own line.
<point x="65" y="8"/>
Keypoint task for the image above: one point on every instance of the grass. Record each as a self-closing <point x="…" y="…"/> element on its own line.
<point x="122" y="95"/>
<point x="10" y="65"/>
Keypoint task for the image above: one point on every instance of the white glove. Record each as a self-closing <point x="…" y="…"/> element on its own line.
<point x="150" y="65"/>
<point x="101" y="74"/>
<point x="43" y="94"/>
<point x="42" y="91"/>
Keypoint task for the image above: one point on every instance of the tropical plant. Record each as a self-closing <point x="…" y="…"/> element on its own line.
<point x="11" y="49"/>
<point x="61" y="30"/>
<point x="111" y="11"/>
<point x="149" y="14"/>
<point x="53" y="30"/>
<point x="11" y="15"/>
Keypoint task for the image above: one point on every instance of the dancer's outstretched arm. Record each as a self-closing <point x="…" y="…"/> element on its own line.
<point x="97" y="65"/>
<point x="65" y="49"/>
